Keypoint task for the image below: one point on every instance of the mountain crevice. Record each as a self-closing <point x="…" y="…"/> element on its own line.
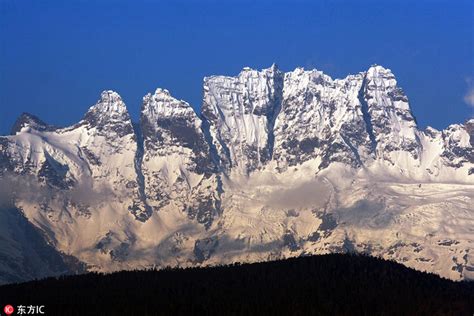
<point x="366" y="115"/>
<point x="143" y="216"/>
<point x="273" y="114"/>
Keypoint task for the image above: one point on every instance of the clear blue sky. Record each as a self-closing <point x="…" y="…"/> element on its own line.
<point x="57" y="56"/>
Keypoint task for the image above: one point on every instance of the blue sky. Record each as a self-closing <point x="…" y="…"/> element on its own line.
<point x="57" y="56"/>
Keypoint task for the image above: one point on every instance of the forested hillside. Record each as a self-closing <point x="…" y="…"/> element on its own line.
<point x="333" y="284"/>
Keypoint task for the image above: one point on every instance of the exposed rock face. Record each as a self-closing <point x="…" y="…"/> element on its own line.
<point x="109" y="116"/>
<point x="177" y="163"/>
<point x="275" y="165"/>
<point x="329" y="112"/>
<point x="392" y="123"/>
<point x="241" y="112"/>
<point x="27" y="120"/>
<point x="109" y="146"/>
<point x="458" y="140"/>
<point x="24" y="253"/>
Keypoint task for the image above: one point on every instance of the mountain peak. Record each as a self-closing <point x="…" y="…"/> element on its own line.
<point x="109" y="110"/>
<point x="110" y="102"/>
<point x="378" y="67"/>
<point x="272" y="69"/>
<point x="382" y="79"/>
<point x="162" y="92"/>
<point x="32" y="121"/>
<point x="162" y="103"/>
<point x="287" y="156"/>
<point x="377" y="71"/>
<point x="110" y="95"/>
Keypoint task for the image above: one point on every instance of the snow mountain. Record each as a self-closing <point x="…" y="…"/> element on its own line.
<point x="276" y="165"/>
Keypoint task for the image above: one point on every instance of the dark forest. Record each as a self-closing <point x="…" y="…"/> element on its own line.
<point x="335" y="284"/>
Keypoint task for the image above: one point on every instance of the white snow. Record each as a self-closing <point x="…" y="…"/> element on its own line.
<point x="410" y="199"/>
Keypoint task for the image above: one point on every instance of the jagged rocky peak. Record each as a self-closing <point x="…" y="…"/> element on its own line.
<point x="263" y="88"/>
<point x="387" y="114"/>
<point x="167" y="119"/>
<point x="110" y="103"/>
<point x="110" y="114"/>
<point x="319" y="117"/>
<point x="432" y="132"/>
<point x="301" y="78"/>
<point x="162" y="103"/>
<point x="177" y="165"/>
<point x="27" y="120"/>
<point x="458" y="145"/>
<point x="458" y="134"/>
<point x="470" y="130"/>
<point x="252" y="91"/>
<point x="169" y="125"/>
<point x="241" y="112"/>
<point x="381" y="75"/>
<point x="382" y="89"/>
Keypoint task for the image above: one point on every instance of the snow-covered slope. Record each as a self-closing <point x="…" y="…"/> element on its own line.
<point x="321" y="119"/>
<point x="241" y="113"/>
<point x="276" y="165"/>
<point x="24" y="253"/>
<point x="177" y="165"/>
